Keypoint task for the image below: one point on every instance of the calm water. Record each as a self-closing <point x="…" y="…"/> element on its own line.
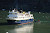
<point x="26" y="28"/>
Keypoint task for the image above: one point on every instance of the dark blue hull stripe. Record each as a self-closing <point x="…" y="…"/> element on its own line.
<point x="24" y="21"/>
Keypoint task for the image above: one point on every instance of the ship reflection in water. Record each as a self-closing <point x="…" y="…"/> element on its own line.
<point x="25" y="28"/>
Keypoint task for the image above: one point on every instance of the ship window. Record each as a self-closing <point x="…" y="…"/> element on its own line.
<point x="15" y="17"/>
<point x="31" y="16"/>
<point x="15" y="13"/>
<point x="27" y="14"/>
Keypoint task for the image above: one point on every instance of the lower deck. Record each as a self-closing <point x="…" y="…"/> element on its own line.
<point x="20" y="21"/>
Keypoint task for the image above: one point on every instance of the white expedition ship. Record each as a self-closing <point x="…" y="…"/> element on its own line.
<point x="19" y="17"/>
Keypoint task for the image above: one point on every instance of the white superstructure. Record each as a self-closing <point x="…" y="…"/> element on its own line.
<point x="16" y="15"/>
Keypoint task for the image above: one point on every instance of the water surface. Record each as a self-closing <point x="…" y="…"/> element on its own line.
<point x="23" y="28"/>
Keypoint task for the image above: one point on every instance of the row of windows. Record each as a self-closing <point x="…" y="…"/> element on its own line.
<point x="13" y="13"/>
<point x="12" y="17"/>
<point x="19" y="17"/>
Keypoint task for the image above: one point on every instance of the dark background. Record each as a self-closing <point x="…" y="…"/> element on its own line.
<point x="33" y="5"/>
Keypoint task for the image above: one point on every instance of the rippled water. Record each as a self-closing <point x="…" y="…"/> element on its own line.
<point x="24" y="28"/>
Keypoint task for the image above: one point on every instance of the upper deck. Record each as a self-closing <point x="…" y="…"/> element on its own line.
<point x="19" y="15"/>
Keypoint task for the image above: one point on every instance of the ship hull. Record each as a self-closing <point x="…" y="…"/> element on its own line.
<point x="20" y="21"/>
